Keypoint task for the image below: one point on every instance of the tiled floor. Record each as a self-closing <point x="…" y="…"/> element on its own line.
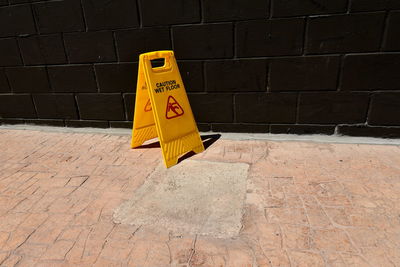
<point x="307" y="204"/>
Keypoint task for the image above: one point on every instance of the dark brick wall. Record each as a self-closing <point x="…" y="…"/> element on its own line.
<point x="279" y="66"/>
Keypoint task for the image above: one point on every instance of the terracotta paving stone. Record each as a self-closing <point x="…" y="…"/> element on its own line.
<point x="296" y="236"/>
<point x="331" y="240"/>
<point x="71" y="233"/>
<point x="306" y="258"/>
<point x="17" y="238"/>
<point x="11" y="261"/>
<point x="181" y="249"/>
<point x="58" y="250"/>
<point x="31" y="250"/>
<point x="4" y="256"/>
<point x="3" y="238"/>
<point x="306" y="204"/>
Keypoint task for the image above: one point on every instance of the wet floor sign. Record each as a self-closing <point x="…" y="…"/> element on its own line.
<point x="162" y="109"/>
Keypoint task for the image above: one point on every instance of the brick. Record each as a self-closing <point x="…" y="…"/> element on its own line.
<point x="103" y="14"/>
<point x="304" y="73"/>
<point x="240" y="128"/>
<point x="84" y="124"/>
<point x="132" y="43"/>
<point x="295" y="236"/>
<point x="212" y="107"/>
<point x="362" y="130"/>
<point x="72" y="233"/>
<point x="392" y="42"/>
<point x="371" y="72"/>
<point x="11" y="121"/>
<point x="129" y="101"/>
<point x="117" y="77"/>
<point x="266" y="108"/>
<point x="60" y="106"/>
<point x="28" y="79"/>
<point x="19" y="1"/>
<point x="331" y="239"/>
<point x="370" y="5"/>
<point x="100" y="106"/>
<point x="159" y="12"/>
<point x="203" y="41"/>
<point x="58" y="250"/>
<point x="9" y="53"/>
<point x="333" y="107"/>
<point x="17" y="106"/>
<point x="203" y="127"/>
<point x="192" y="75"/>
<point x="4" y="88"/>
<point x="385" y="109"/>
<point x="28" y="261"/>
<point x="46" y="122"/>
<point x="227" y="10"/>
<point x="16" y="20"/>
<point x="12" y="260"/>
<point x="90" y="47"/>
<point x="307" y="7"/>
<point x="345" y="33"/>
<point x="302" y="129"/>
<point x="270" y="37"/>
<point x="78" y="78"/>
<point x="236" y="75"/>
<point x="121" y="124"/>
<point x="306" y="258"/>
<point x="59" y="16"/>
<point x="45" y="49"/>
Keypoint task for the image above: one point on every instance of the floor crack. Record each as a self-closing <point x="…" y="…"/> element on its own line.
<point x="193" y="250"/>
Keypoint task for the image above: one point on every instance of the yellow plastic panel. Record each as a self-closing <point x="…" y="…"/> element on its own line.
<point x="144" y="127"/>
<point x="169" y="106"/>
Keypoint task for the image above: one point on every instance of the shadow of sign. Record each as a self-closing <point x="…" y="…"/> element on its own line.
<point x="208" y="140"/>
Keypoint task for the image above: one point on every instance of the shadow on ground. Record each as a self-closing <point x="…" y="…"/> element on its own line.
<point x="207" y="139"/>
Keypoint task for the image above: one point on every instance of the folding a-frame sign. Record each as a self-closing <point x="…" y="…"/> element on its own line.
<point x="162" y="109"/>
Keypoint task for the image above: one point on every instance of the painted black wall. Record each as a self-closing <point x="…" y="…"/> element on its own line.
<point x="280" y="66"/>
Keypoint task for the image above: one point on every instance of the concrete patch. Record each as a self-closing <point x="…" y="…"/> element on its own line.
<point x="195" y="197"/>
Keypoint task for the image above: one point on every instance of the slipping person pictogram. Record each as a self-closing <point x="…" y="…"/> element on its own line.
<point x="148" y="108"/>
<point x="173" y="108"/>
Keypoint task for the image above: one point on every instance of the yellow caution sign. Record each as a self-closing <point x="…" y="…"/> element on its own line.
<point x="162" y="109"/>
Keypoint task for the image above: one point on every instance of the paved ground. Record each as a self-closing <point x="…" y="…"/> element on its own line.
<point x="305" y="204"/>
